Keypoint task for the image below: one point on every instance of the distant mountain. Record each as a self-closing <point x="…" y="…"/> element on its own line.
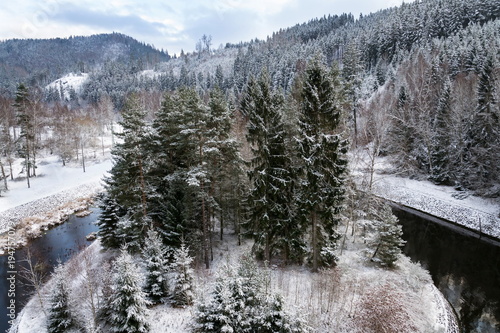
<point x="41" y="61"/>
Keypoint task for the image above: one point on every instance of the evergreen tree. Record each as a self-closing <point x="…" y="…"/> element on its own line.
<point x="483" y="152"/>
<point x="222" y="155"/>
<point x="108" y="221"/>
<point x="168" y="201"/>
<point x="126" y="185"/>
<point x="59" y="318"/>
<point x="128" y="301"/>
<point x="271" y="213"/>
<point x="240" y="303"/>
<point x="222" y="312"/>
<point x="25" y="119"/>
<point x="351" y="74"/>
<point x="154" y="254"/>
<point x="440" y="168"/>
<point x="389" y="240"/>
<point x="323" y="162"/>
<point x="183" y="294"/>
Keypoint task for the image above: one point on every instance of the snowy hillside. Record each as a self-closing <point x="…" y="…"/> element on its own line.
<point x="67" y="85"/>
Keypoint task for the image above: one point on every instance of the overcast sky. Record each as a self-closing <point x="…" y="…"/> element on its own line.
<point x="171" y="25"/>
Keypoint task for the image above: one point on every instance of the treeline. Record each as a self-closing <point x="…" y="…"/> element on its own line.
<point x="410" y="53"/>
<point x="438" y="115"/>
<point x="37" y="62"/>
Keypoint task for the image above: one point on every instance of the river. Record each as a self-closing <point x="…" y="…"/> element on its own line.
<point x="59" y="243"/>
<point x="465" y="269"/>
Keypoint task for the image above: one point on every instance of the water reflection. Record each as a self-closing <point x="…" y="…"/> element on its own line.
<point x="464" y="268"/>
<point x="59" y="243"/>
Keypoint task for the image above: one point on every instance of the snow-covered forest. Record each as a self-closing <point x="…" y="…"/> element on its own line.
<point x="250" y="147"/>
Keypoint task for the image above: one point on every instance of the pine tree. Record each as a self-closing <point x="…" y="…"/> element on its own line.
<point x="128" y="301"/>
<point x="60" y="318"/>
<point x="322" y="154"/>
<point x="154" y="254"/>
<point x="183" y="294"/>
<point x="271" y="216"/>
<point x="389" y="240"/>
<point x="23" y="107"/>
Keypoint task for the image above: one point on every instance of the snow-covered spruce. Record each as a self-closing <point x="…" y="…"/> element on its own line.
<point x="60" y="318"/>
<point x="183" y="294"/>
<point x="154" y="255"/>
<point x="241" y="303"/>
<point x="128" y="301"/>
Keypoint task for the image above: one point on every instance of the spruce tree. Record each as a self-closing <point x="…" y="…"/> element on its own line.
<point x="271" y="213"/>
<point x="183" y="294"/>
<point x="483" y="136"/>
<point x="154" y="255"/>
<point x="59" y="318"/>
<point x="108" y="221"/>
<point x="241" y="303"/>
<point x="323" y="162"/>
<point x="128" y="313"/>
<point x="389" y="239"/>
<point x="222" y="156"/>
<point x="440" y="156"/>
<point x="127" y="185"/>
<point x="166" y="173"/>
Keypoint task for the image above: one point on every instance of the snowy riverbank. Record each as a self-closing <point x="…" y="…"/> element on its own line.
<point x="55" y="194"/>
<point x="481" y="215"/>
<point x="475" y="213"/>
<point x="328" y="301"/>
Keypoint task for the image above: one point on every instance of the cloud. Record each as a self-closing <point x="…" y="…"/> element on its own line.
<point x="172" y="24"/>
<point x="73" y="15"/>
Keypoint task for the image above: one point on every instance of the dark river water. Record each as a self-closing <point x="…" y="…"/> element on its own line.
<point x="466" y="269"/>
<point x="59" y="243"/>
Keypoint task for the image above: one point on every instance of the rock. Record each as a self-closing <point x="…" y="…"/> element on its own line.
<point x="92" y="236"/>
<point x="83" y="213"/>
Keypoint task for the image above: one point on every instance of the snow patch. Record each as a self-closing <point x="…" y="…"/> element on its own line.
<point x="68" y="82"/>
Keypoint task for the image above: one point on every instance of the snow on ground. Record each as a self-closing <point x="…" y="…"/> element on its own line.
<point x="471" y="212"/>
<point x="53" y="187"/>
<point x="445" y="202"/>
<point x="67" y="82"/>
<point x="329" y="301"/>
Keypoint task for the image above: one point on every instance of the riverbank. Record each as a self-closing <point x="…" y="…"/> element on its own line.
<point x="31" y="220"/>
<point x="57" y="192"/>
<point x="481" y="215"/>
<point x="331" y="300"/>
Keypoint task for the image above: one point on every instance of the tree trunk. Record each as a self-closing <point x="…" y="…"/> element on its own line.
<point x="143" y="187"/>
<point x="267" y="250"/>
<point x="315" y="258"/>
<point x="83" y="158"/>
<point x="3" y="176"/>
<point x="205" y="232"/>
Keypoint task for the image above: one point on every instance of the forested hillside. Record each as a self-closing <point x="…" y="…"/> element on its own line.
<point x="37" y="62"/>
<point x="255" y="139"/>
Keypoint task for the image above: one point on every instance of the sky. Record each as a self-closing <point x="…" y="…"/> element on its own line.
<point x="171" y="25"/>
